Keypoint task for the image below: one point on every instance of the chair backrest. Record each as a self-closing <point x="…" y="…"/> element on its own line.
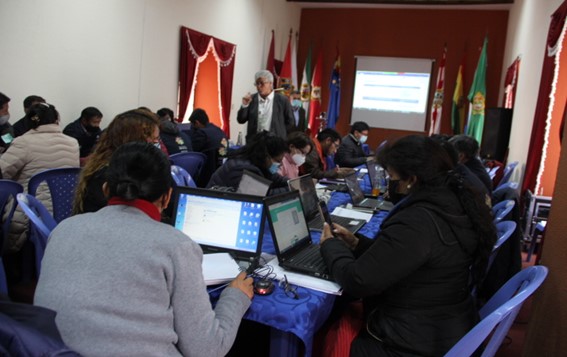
<point x="192" y="162"/>
<point x="181" y="176"/>
<point x="506" y="186"/>
<point x="62" y="183"/>
<point x="502" y="209"/>
<point x="508" y="171"/>
<point x="504" y="230"/>
<point x="8" y="189"/>
<point x="499" y="313"/>
<point x="42" y="223"/>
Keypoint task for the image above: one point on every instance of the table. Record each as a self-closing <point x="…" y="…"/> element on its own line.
<point x="293" y="320"/>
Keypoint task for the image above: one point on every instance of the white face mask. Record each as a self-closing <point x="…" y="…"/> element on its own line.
<point x="4" y="119"/>
<point x="363" y="139"/>
<point x="299" y="159"/>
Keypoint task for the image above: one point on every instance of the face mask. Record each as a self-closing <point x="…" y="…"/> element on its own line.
<point x="92" y="129"/>
<point x="299" y="159"/>
<point x="4" y="119"/>
<point x="393" y="193"/>
<point x="157" y="145"/>
<point x="274" y="168"/>
<point x="296" y="103"/>
<point x="363" y="139"/>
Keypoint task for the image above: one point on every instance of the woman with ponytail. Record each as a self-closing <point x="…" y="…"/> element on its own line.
<point x="415" y="276"/>
<point x="124" y="284"/>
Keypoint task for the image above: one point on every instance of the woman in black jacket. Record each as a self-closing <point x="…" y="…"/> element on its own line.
<point x="415" y="276"/>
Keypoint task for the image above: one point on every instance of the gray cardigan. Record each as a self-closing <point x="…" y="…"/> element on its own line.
<point x="123" y="284"/>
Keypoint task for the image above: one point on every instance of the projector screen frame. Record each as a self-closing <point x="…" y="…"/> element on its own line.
<point x="395" y="120"/>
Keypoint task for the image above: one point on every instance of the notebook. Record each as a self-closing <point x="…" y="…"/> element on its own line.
<point x="253" y="184"/>
<point x="360" y="201"/>
<point x="308" y="195"/>
<point x="222" y="221"/>
<point x="294" y="247"/>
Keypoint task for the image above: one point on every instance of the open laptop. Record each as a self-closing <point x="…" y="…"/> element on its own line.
<point x="222" y="221"/>
<point x="253" y="184"/>
<point x="294" y="248"/>
<point x="308" y="194"/>
<point x="359" y="200"/>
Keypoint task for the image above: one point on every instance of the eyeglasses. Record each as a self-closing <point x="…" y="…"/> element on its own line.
<point x="260" y="83"/>
<point x="289" y="290"/>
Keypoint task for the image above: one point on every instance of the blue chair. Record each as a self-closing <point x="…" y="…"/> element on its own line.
<point x="499" y="313"/>
<point x="330" y="162"/>
<point x="181" y="176"/>
<point x="8" y="189"/>
<point x="504" y="230"/>
<point x="508" y="171"/>
<point x="192" y="162"/>
<point x="62" y="183"/>
<point x="42" y="223"/>
<point x="502" y="209"/>
<point x="506" y="186"/>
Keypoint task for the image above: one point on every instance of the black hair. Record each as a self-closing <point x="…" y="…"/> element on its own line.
<point x="328" y="133"/>
<point x="430" y="163"/>
<point x="443" y="140"/>
<point x="90" y="112"/>
<point x="41" y="114"/>
<point x="359" y="126"/>
<point x="138" y="171"/>
<point x="259" y="148"/>
<point x="466" y="145"/>
<point x="166" y="111"/>
<point x="299" y="140"/>
<point x="4" y="99"/>
<point x="31" y="99"/>
<point x="199" y="115"/>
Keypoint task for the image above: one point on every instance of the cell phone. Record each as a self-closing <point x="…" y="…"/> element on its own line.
<point x="325" y="213"/>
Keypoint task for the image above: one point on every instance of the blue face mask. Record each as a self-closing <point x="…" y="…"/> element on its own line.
<point x="274" y="168"/>
<point x="296" y="103"/>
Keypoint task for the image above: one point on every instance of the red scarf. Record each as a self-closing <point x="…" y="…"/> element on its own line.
<point x="147" y="207"/>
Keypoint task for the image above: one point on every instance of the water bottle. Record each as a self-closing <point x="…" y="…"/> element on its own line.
<point x="239" y="139"/>
<point x="382" y="180"/>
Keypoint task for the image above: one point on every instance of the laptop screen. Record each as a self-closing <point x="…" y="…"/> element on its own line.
<point x="252" y="184"/>
<point x="288" y="222"/>
<point x="308" y="194"/>
<point x="220" y="221"/>
<point x="372" y="172"/>
<point x="354" y="190"/>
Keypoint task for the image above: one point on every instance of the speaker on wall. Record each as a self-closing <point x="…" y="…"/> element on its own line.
<point x="496" y="133"/>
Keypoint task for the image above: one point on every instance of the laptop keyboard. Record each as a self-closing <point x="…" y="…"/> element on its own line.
<point x="309" y="258"/>
<point x="317" y="224"/>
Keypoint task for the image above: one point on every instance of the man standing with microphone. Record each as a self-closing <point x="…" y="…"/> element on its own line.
<point x="266" y="110"/>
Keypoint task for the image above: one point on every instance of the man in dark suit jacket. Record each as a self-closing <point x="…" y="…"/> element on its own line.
<point x="208" y="139"/>
<point x="266" y="110"/>
<point x="350" y="152"/>
<point x="299" y="120"/>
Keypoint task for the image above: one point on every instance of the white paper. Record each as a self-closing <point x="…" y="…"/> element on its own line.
<point x="305" y="281"/>
<point x="219" y="268"/>
<point x="350" y="213"/>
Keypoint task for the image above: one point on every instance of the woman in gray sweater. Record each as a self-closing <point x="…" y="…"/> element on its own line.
<point x="124" y="284"/>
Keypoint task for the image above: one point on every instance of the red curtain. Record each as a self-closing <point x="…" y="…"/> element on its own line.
<point x="194" y="45"/>
<point x="540" y="117"/>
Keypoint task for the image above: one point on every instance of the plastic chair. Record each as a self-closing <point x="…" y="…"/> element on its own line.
<point x="62" y="183"/>
<point x="499" y="313"/>
<point x="42" y="223"/>
<point x="192" y="162"/>
<point x="502" y="209"/>
<point x="504" y="229"/>
<point x="508" y="171"/>
<point x="8" y="188"/>
<point x="181" y="176"/>
<point x="507" y="185"/>
<point x="330" y="162"/>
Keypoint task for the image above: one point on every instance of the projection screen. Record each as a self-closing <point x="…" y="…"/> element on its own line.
<point x="391" y="93"/>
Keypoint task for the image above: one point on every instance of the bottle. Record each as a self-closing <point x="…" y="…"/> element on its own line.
<point x="383" y="181"/>
<point x="239" y="139"/>
<point x="376" y="189"/>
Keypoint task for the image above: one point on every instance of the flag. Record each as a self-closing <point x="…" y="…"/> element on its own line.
<point x="306" y="83"/>
<point x="510" y="84"/>
<point x="437" y="107"/>
<point x="285" y="73"/>
<point x="458" y="108"/>
<point x="334" y="94"/>
<point x="270" y="63"/>
<point x="294" y="62"/>
<point x="477" y="97"/>
<point x="315" y="102"/>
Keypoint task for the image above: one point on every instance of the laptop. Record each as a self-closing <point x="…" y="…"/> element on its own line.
<point x="359" y="200"/>
<point x="222" y="221"/>
<point x="253" y="184"/>
<point x="294" y="247"/>
<point x="308" y="194"/>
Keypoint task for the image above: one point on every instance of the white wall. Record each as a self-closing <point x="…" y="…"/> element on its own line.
<point x="528" y="25"/>
<point x="121" y="54"/>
